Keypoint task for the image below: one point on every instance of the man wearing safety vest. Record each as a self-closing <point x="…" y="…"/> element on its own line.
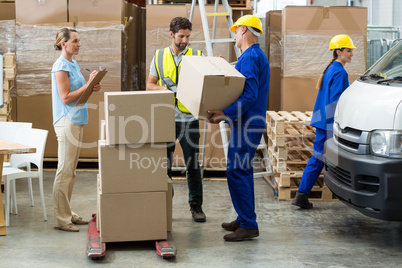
<point x="164" y="71"/>
<point x="246" y="117"/>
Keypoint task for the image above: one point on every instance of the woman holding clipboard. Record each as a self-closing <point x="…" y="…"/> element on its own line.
<point x="68" y="85"/>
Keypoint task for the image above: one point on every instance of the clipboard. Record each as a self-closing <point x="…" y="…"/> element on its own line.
<point x="87" y="93"/>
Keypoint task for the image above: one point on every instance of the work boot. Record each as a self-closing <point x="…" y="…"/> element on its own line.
<point x="301" y="200"/>
<point x="69" y="228"/>
<point x="80" y="221"/>
<point x="230" y="226"/>
<point x="241" y="234"/>
<point x="197" y="213"/>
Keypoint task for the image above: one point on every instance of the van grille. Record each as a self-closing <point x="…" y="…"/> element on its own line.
<point x="349" y="144"/>
<point x="339" y="174"/>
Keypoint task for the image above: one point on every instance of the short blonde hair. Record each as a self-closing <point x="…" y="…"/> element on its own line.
<point x="63" y="35"/>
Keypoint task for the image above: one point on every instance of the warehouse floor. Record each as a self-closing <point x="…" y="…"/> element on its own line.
<point x="330" y="235"/>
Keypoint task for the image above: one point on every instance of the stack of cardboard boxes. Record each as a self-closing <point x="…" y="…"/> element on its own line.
<point x="297" y="41"/>
<point x="98" y="23"/>
<point x="134" y="200"/>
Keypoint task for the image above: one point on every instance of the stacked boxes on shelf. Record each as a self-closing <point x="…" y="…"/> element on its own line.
<point x="8" y="84"/>
<point x="290" y="143"/>
<point x="134" y="192"/>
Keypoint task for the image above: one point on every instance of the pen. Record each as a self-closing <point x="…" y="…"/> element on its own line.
<point x="88" y="70"/>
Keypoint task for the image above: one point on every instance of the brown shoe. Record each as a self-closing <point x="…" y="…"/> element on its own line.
<point x="197" y="213"/>
<point x="69" y="228"/>
<point x="230" y="226"/>
<point x="80" y="221"/>
<point x="241" y="234"/>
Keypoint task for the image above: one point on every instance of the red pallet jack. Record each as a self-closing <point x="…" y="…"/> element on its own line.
<point x="96" y="249"/>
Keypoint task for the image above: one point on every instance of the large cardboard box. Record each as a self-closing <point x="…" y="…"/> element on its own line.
<point x="95" y="10"/>
<point x="208" y="83"/>
<point x="41" y="11"/>
<point x="301" y="70"/>
<point x="7" y="11"/>
<point x="133" y="216"/>
<point x="100" y="47"/>
<point x="139" y="117"/>
<point x="132" y="168"/>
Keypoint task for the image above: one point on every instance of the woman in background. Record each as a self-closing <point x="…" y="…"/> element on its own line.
<point x="332" y="84"/>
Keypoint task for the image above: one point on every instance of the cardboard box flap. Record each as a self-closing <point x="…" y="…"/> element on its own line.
<point x="319" y="18"/>
<point x="211" y="66"/>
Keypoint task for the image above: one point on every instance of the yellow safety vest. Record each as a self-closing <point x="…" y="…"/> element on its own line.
<point x="166" y="67"/>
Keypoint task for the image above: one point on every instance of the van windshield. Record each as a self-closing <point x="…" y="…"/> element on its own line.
<point x="389" y="66"/>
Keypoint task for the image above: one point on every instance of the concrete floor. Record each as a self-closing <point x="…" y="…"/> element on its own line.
<point x="330" y="235"/>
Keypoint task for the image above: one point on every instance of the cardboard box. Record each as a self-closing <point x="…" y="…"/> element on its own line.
<point x="133" y="216"/>
<point x="208" y="83"/>
<point x="132" y="168"/>
<point x="139" y="117"/>
<point x="100" y="46"/>
<point x="41" y="11"/>
<point x="273" y="33"/>
<point x="300" y="70"/>
<point x="7" y="11"/>
<point x="95" y="10"/>
<point x="169" y="205"/>
<point x="37" y="109"/>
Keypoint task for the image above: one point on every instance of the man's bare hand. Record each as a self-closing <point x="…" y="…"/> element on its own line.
<point x="217" y="116"/>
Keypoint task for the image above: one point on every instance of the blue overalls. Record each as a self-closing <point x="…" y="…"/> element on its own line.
<point x="335" y="81"/>
<point x="247" y="121"/>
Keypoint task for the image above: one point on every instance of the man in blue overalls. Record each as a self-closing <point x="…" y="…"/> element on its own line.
<point x="247" y="121"/>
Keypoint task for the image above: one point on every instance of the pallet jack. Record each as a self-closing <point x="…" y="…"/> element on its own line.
<point x="97" y="249"/>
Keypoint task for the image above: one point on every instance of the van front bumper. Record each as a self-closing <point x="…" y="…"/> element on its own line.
<point x="370" y="184"/>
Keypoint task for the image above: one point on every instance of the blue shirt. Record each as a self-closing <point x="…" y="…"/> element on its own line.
<point x="77" y="115"/>
<point x="251" y="106"/>
<point x="334" y="83"/>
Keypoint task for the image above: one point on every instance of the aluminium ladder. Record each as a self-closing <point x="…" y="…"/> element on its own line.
<point x="267" y="175"/>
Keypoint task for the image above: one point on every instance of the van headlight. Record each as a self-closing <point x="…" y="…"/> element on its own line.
<point x="386" y="143"/>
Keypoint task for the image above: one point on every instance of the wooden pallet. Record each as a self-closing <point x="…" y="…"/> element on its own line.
<point x="9" y="60"/>
<point x="9" y="73"/>
<point x="288" y="184"/>
<point x="296" y="159"/>
<point x="6" y="109"/>
<point x="291" y="144"/>
<point x="317" y="194"/>
<point x="8" y="84"/>
<point x="277" y="120"/>
<point x="293" y="179"/>
<point x="5" y="118"/>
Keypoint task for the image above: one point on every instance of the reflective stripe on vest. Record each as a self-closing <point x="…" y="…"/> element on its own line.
<point x="166" y="67"/>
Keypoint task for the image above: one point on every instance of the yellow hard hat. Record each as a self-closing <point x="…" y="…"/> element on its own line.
<point x="341" y="41"/>
<point x="248" y="20"/>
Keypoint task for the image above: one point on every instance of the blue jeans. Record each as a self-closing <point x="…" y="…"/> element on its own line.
<point x="243" y="143"/>
<point x="316" y="162"/>
<point x="188" y="134"/>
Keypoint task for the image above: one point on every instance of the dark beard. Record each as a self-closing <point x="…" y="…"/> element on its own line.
<point x="178" y="47"/>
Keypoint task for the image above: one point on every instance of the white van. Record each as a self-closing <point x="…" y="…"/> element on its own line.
<point x="363" y="161"/>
